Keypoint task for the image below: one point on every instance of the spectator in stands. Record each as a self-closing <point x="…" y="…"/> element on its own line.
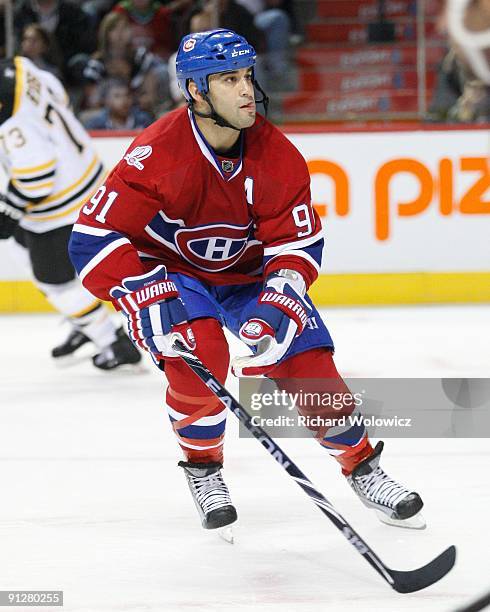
<point x="275" y="24"/>
<point x="152" y="24"/>
<point x="37" y="45"/>
<point x="116" y="56"/>
<point x="97" y="9"/>
<point x="68" y="24"/>
<point x="120" y="112"/>
<point x="448" y="89"/>
<point x="463" y="86"/>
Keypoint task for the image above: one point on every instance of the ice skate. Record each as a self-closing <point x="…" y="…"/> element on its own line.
<point x="121" y="352"/>
<point x="211" y="496"/>
<point x="73" y="342"/>
<point x="394" y="504"/>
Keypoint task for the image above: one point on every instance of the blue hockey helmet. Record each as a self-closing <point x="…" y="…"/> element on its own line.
<point x="203" y="53"/>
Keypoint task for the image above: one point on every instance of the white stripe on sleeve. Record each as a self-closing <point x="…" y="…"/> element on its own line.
<point x="101" y="255"/>
<point x="90" y="231"/>
<point x="298" y="244"/>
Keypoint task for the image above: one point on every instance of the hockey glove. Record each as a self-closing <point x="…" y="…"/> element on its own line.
<point x="154" y="311"/>
<point x="280" y="315"/>
<point x="10" y="216"/>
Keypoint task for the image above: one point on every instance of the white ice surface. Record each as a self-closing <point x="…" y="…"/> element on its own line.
<point x="92" y="501"/>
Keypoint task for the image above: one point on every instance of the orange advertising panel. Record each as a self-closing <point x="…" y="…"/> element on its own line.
<point x="406" y="215"/>
<point x="402" y="201"/>
<point x="438" y="187"/>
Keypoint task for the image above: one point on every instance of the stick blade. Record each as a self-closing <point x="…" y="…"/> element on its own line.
<point x="415" y="580"/>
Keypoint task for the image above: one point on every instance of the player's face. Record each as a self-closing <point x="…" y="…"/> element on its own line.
<point x="233" y="96"/>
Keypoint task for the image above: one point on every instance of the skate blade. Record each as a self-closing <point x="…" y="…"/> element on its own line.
<point x="226" y="534"/>
<point x="414" y="522"/>
<point x="125" y="368"/>
<point x="70" y="361"/>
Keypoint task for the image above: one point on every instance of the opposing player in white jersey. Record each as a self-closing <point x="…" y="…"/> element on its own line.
<point x="52" y="169"/>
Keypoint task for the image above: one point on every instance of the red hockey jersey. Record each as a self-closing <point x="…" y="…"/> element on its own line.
<point x="172" y="200"/>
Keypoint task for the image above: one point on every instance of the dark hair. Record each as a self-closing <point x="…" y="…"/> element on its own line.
<point x="109" y="84"/>
<point x="38" y="29"/>
<point x="52" y="53"/>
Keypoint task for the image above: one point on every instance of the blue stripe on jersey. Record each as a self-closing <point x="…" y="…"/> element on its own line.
<point x="202" y="432"/>
<point x="82" y="248"/>
<point x="315" y="251"/>
<point x="164" y="228"/>
<point x="350" y="437"/>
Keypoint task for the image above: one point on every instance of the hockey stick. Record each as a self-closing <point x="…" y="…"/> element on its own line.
<point x="401" y="581"/>
<point x="475" y="606"/>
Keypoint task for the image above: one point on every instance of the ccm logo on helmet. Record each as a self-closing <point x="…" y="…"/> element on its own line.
<point x="213" y="247"/>
<point x="189" y="45"/>
<point x="242" y="52"/>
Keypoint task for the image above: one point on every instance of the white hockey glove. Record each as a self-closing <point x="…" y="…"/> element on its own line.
<point x="280" y="315"/>
<point x="154" y="311"/>
<point x="10" y="216"/>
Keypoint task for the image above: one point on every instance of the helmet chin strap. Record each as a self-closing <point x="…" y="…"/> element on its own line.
<point x="217" y="118"/>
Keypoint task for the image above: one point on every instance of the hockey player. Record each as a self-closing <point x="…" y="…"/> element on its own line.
<point x="52" y="169"/>
<point x="207" y="222"/>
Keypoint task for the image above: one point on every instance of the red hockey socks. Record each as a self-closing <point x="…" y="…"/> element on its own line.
<point x="348" y="444"/>
<point x="198" y="417"/>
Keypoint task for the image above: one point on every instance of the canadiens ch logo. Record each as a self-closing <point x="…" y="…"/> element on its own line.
<point x="189" y="45"/>
<point x="253" y="329"/>
<point x="136" y="156"/>
<point x="213" y="247"/>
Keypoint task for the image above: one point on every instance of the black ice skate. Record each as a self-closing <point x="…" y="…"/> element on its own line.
<point x="121" y="352"/>
<point x="395" y="505"/>
<point x="75" y="340"/>
<point x="210" y="494"/>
